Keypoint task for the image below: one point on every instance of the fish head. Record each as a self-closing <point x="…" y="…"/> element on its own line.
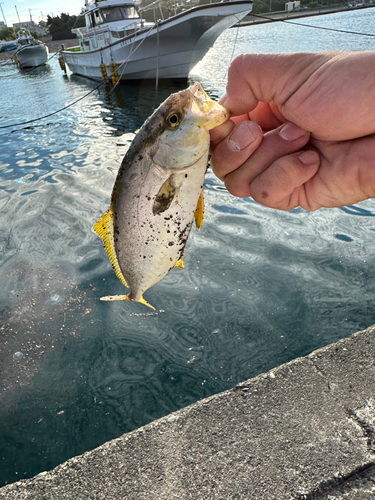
<point x="184" y="121"/>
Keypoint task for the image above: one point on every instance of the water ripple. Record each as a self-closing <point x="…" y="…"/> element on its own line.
<point x="259" y="287"/>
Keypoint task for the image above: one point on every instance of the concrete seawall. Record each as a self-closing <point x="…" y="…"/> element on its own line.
<point x="304" y="430"/>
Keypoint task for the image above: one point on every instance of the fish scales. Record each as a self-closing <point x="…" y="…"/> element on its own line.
<point x="159" y="191"/>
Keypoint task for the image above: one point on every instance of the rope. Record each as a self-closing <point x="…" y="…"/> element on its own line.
<point x="157" y="64"/>
<point x="8" y="76"/>
<point x="54" y="112"/>
<point x="235" y="41"/>
<point x="26" y="70"/>
<point x="125" y="63"/>
<point x="39" y="65"/>
<point x="311" y="26"/>
<point x="80" y="98"/>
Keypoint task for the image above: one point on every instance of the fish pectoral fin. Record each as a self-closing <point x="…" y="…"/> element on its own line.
<point x="199" y="211"/>
<point x="167" y="192"/>
<point x="179" y="263"/>
<point x="112" y="298"/>
<point x="104" y="229"/>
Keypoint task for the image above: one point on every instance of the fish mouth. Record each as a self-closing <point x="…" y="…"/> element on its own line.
<point x="210" y="113"/>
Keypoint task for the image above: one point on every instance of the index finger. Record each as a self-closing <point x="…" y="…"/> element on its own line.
<point x="254" y="78"/>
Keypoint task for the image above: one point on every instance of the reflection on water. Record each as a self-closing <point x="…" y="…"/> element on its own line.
<point x="259" y="287"/>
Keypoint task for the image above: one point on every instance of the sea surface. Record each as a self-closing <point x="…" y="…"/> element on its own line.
<point x="259" y="288"/>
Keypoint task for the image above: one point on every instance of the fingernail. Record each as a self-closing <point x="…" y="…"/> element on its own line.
<point x="291" y="132"/>
<point x="241" y="137"/>
<point x="308" y="157"/>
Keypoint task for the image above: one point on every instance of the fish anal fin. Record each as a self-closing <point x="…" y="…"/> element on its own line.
<point x="104" y="229"/>
<point x="179" y="263"/>
<point x="112" y="298"/>
<point x="199" y="211"/>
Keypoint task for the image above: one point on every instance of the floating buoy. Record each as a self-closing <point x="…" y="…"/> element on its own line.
<point x="62" y="63"/>
<point x="103" y="71"/>
<point x="114" y="73"/>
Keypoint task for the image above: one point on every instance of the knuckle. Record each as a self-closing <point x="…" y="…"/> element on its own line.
<point x="237" y="187"/>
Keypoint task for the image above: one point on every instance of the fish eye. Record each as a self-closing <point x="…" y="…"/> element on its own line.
<point x="174" y="119"/>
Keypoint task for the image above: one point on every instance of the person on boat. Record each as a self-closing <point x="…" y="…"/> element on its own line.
<point x="302" y="131"/>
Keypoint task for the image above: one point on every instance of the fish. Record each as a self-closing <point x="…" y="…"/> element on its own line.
<point x="158" y="191"/>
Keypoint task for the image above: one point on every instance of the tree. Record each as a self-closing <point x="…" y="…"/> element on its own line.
<point x="64" y="22"/>
<point x="7" y="34"/>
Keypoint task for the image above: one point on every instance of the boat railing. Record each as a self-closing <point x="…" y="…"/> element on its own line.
<point x="80" y="31"/>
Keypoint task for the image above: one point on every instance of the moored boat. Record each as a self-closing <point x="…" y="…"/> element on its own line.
<point x="115" y="33"/>
<point x="31" y="52"/>
<point x="7" y="46"/>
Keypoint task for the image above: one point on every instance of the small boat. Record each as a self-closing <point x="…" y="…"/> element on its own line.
<point x="117" y="40"/>
<point x="31" y="52"/>
<point x="8" y="46"/>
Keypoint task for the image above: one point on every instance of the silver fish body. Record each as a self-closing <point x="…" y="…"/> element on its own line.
<point x="159" y="191"/>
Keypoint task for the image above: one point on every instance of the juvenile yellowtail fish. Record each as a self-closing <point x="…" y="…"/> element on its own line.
<point x="159" y="191"/>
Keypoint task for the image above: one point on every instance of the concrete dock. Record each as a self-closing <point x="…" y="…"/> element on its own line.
<point x="304" y="430"/>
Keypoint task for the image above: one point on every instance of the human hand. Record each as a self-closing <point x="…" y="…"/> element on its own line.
<point x="312" y="139"/>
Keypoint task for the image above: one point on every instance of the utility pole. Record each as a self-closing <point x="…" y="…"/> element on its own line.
<point x="3" y="13"/>
<point x="19" y="20"/>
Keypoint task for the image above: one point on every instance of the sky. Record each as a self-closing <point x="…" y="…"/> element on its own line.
<point x="39" y="9"/>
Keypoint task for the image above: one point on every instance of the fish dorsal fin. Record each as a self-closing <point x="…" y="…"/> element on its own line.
<point x="199" y="211"/>
<point x="104" y="229"/>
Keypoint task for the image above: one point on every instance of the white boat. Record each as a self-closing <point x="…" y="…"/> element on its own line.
<point x="8" y="46"/>
<point x="31" y="52"/>
<point x="166" y="49"/>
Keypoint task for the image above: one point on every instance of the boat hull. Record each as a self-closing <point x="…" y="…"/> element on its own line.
<point x="30" y="56"/>
<point x="167" y="51"/>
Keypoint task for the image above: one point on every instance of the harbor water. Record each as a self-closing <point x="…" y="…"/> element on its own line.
<point x="259" y="288"/>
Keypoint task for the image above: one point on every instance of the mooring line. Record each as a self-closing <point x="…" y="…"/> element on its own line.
<point x="26" y="122"/>
<point x="310" y="25"/>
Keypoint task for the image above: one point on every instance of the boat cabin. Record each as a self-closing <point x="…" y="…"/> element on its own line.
<point x="106" y="22"/>
<point x="24" y="37"/>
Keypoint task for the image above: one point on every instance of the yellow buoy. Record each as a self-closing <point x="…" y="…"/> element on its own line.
<point x="103" y="71"/>
<point x="62" y="63"/>
<point x="114" y="73"/>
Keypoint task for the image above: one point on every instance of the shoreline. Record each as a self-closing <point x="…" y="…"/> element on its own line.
<point x="272" y="17"/>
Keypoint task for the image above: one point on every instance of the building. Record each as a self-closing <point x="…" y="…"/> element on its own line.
<point x="29" y="25"/>
<point x="289" y="6"/>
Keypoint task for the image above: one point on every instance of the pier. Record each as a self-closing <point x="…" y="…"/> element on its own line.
<point x="305" y="431"/>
